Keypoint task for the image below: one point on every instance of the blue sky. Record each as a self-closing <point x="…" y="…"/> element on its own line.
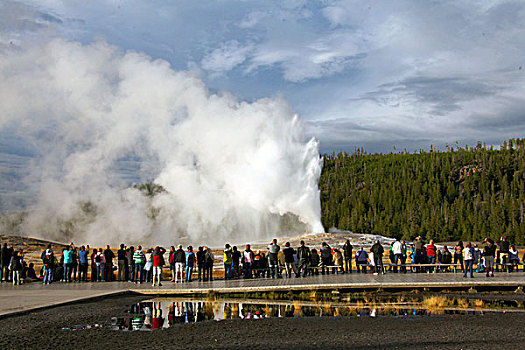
<point x="372" y="74"/>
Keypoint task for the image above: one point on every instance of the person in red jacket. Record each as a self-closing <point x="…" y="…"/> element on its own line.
<point x="158" y="262"/>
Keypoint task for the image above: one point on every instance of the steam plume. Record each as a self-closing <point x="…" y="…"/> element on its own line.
<point x="230" y="168"/>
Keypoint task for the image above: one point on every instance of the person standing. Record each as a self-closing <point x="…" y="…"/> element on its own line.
<point x="418" y="251"/>
<point x="180" y="260"/>
<point x="94" y="272"/>
<point x="190" y="263"/>
<point x="109" y="256"/>
<point x="100" y="260"/>
<point x="248" y="258"/>
<point x="303" y="257"/>
<point x="209" y="265"/>
<point x="15" y="265"/>
<point x="236" y="258"/>
<point x="468" y="257"/>
<point x="458" y="254"/>
<point x="131" y="263"/>
<point x="227" y="260"/>
<point x="171" y="260"/>
<point x="503" y="248"/>
<point x="338" y="260"/>
<point x="273" y="258"/>
<point x="489" y="253"/>
<point x="121" y="263"/>
<point x="396" y="249"/>
<point x="83" y="264"/>
<point x="158" y="263"/>
<point x="5" y="260"/>
<point x="68" y="263"/>
<point x="49" y="265"/>
<point x="138" y="259"/>
<point x="289" y="261"/>
<point x="347" y="252"/>
<point x="201" y="261"/>
<point x="378" y="251"/>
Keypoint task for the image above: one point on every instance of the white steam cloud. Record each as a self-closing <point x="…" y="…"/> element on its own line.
<point x="230" y="169"/>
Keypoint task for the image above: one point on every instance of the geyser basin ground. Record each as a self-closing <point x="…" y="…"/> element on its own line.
<point x="43" y="330"/>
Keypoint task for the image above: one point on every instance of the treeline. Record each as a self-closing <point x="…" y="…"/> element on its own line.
<point x="459" y="194"/>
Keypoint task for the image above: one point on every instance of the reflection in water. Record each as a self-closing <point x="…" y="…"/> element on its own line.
<point x="154" y="315"/>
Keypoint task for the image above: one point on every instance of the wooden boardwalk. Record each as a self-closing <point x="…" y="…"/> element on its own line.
<point x="32" y="296"/>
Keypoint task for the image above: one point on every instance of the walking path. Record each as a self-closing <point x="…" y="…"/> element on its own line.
<point x="31" y="296"/>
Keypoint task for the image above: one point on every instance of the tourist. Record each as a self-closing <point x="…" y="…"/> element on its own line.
<point x="109" y="256"/>
<point x="263" y="266"/>
<point x="227" y="260"/>
<point x="74" y="264"/>
<point x="338" y="260"/>
<point x="398" y="253"/>
<point x="503" y="249"/>
<point x="148" y="267"/>
<point x="514" y="258"/>
<point x="158" y="262"/>
<point x="100" y="260"/>
<point x="431" y="252"/>
<point x="180" y="260"/>
<point x="361" y="260"/>
<point x="489" y="254"/>
<point x="445" y="258"/>
<point x="49" y="266"/>
<point x="347" y="252"/>
<point x="190" y="263"/>
<point x="208" y="270"/>
<point x="314" y="262"/>
<point x="31" y="273"/>
<point x="247" y="258"/>
<point x="172" y="263"/>
<point x="468" y="258"/>
<point x="458" y="254"/>
<point x="121" y="263"/>
<point x="289" y="261"/>
<point x="83" y="264"/>
<point x="5" y="259"/>
<point x="94" y="272"/>
<point x="131" y="263"/>
<point x="303" y="257"/>
<point x="378" y="251"/>
<point x="326" y="257"/>
<point x="236" y="259"/>
<point x="139" y="259"/>
<point x="403" y="256"/>
<point x="273" y="259"/>
<point x="15" y="266"/>
<point x="418" y="251"/>
<point x="68" y="263"/>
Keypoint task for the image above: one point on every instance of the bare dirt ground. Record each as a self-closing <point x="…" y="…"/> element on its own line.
<point x="42" y="330"/>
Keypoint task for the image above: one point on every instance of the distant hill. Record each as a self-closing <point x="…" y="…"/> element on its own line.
<point x="464" y="193"/>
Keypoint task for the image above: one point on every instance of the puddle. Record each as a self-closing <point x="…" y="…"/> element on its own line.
<point x="162" y="313"/>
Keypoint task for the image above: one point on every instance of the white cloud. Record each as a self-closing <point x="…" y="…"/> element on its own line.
<point x="227" y="57"/>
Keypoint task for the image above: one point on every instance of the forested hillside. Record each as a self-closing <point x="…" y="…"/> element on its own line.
<point x="463" y="193"/>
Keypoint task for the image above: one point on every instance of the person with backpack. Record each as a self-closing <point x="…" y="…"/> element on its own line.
<point x="158" y="262"/>
<point x="273" y="258"/>
<point x="139" y="259"/>
<point x="314" y="262"/>
<point x="489" y="254"/>
<point x="190" y="263"/>
<point x="180" y="259"/>
<point x="378" y="251"/>
<point x="100" y="260"/>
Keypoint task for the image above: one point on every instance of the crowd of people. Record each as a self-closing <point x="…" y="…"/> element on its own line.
<point x="140" y="265"/>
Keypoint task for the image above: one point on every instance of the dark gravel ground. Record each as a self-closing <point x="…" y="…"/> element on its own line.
<point x="42" y="330"/>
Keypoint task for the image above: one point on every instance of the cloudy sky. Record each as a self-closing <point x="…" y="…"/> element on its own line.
<point x="372" y="74"/>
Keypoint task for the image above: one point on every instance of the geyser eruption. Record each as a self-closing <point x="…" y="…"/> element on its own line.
<point x="100" y="118"/>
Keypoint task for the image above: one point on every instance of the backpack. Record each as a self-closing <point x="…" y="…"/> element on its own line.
<point x="97" y="258"/>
